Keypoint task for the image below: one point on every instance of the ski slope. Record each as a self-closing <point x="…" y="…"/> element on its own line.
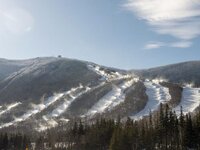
<point x="157" y="94"/>
<point x="190" y="100"/>
<point x="64" y="106"/>
<point x="111" y="99"/>
<point x="49" y="119"/>
<point x="9" y="107"/>
<point x="105" y="75"/>
<point x="40" y="107"/>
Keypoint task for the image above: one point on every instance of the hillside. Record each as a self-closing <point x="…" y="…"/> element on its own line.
<point x="185" y="73"/>
<point x="42" y="93"/>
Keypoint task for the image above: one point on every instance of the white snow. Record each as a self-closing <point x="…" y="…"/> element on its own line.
<point x="111" y="99"/>
<point x="50" y="124"/>
<point x="9" y="107"/>
<point x="107" y="76"/>
<point x="188" y="85"/>
<point x="64" y="120"/>
<point x="157" y="94"/>
<point x="63" y="107"/>
<point x="51" y="100"/>
<point x="190" y="100"/>
<point x="38" y="108"/>
<point x="50" y="118"/>
<point x="158" y="80"/>
<point x="136" y="79"/>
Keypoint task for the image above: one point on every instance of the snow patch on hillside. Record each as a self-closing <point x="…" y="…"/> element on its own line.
<point x="190" y="85"/>
<point x="49" y="119"/>
<point x="159" y="80"/>
<point x="9" y="107"/>
<point x="50" y="124"/>
<point x="40" y="107"/>
<point x="111" y="99"/>
<point x="190" y="100"/>
<point x="63" y="107"/>
<point x="64" y="120"/>
<point x="157" y="94"/>
<point x="107" y="74"/>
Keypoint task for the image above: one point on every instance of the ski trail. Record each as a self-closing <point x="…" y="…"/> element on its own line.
<point x="190" y="100"/>
<point x="63" y="107"/>
<point x="49" y="119"/>
<point x="40" y="107"/>
<point x="157" y="94"/>
<point x="9" y="107"/>
<point x="111" y="99"/>
<point x="105" y="75"/>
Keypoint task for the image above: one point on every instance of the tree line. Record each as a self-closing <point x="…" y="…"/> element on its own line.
<point x="162" y="130"/>
<point x="14" y="141"/>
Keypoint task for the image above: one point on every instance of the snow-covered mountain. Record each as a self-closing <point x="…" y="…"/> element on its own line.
<point x="185" y="73"/>
<point x="42" y="93"/>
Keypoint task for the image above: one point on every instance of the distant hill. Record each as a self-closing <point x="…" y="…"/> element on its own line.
<point x="186" y="72"/>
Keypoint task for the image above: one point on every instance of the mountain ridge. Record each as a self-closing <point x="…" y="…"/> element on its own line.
<point x="41" y="93"/>
<point x="183" y="73"/>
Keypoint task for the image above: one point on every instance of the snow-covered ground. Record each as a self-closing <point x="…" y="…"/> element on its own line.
<point x="49" y="119"/>
<point x="38" y="108"/>
<point x="190" y="100"/>
<point x="107" y="76"/>
<point x="9" y="107"/>
<point x="111" y="99"/>
<point x="49" y="123"/>
<point x="63" y="107"/>
<point x="156" y="94"/>
<point x="44" y="126"/>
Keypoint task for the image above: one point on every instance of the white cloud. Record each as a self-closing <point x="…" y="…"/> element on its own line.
<point x="154" y="45"/>
<point x="13" y="19"/>
<point x="178" y="18"/>
<point x="182" y="44"/>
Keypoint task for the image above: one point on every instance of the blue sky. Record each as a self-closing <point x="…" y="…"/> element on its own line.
<point x="119" y="33"/>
